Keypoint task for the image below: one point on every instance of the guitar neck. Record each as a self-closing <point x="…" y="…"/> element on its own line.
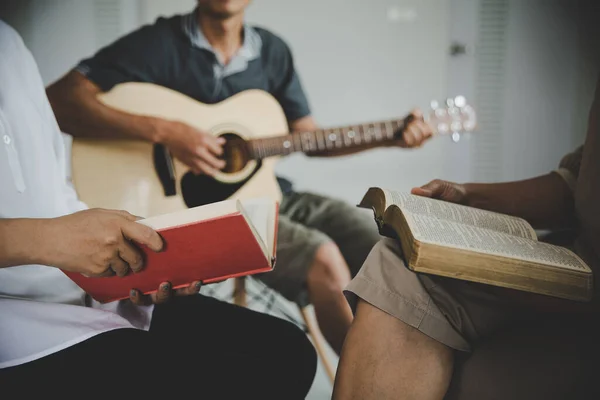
<point x="325" y="139"/>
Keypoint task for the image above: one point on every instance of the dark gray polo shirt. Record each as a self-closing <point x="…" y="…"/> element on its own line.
<point x="174" y="53"/>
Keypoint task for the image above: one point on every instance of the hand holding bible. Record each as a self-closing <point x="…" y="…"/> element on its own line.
<point x="443" y="190"/>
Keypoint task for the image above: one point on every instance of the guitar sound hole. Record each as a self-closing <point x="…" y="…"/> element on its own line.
<point x="235" y="153"/>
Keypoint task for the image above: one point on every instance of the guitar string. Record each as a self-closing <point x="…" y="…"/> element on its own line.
<point x="324" y="139"/>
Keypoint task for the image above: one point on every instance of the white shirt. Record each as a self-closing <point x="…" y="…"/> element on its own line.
<point x="41" y="310"/>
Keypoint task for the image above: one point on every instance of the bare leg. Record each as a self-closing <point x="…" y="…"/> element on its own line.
<point x="327" y="278"/>
<point x="383" y="358"/>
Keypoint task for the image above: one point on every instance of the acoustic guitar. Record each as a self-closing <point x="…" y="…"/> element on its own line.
<point x="142" y="178"/>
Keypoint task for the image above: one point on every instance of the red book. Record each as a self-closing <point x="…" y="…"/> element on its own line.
<point x="208" y="243"/>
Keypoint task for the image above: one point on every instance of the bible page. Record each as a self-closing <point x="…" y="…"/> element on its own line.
<point x="462" y="214"/>
<point x="466" y="237"/>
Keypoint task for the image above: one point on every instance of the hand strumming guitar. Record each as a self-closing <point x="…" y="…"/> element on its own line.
<point x="195" y="148"/>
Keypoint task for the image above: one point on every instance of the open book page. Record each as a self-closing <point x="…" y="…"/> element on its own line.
<point x="448" y="234"/>
<point x="261" y="212"/>
<point x="461" y="214"/>
<point x="190" y="215"/>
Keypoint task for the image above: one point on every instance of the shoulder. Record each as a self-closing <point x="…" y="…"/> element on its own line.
<point x="162" y="30"/>
<point x="272" y="44"/>
<point x="10" y="40"/>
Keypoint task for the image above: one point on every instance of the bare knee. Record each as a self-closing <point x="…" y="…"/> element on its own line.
<point x="329" y="270"/>
<point x="382" y="328"/>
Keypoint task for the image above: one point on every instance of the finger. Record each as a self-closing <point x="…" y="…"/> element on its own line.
<point x="408" y="138"/>
<point x="142" y="234"/>
<point x="430" y="189"/>
<point x="204" y="168"/>
<point x="132" y="256"/>
<point x="417" y="134"/>
<point x="421" y="192"/>
<point x="138" y="298"/>
<point x="416" y="113"/>
<point x="127" y="216"/>
<point x="214" y="144"/>
<point x="162" y="294"/>
<point x="121" y="213"/>
<point x="120" y="267"/>
<point x="106" y="273"/>
<point x="210" y="159"/>
<point x="193" y="288"/>
<point x="435" y="187"/>
<point x="425" y="128"/>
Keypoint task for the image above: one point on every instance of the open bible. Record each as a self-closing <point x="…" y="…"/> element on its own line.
<point x="207" y="243"/>
<point x="461" y="242"/>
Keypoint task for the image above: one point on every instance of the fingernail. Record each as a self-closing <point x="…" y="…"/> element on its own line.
<point x="165" y="286"/>
<point x="198" y="285"/>
<point x="221" y="140"/>
<point x="133" y="293"/>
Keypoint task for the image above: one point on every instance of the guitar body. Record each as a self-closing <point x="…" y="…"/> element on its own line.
<point x="125" y="174"/>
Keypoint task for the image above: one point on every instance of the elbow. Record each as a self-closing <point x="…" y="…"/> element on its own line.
<point x="59" y="97"/>
<point x="66" y="96"/>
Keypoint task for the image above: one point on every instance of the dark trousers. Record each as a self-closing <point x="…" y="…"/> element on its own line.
<point x="196" y="347"/>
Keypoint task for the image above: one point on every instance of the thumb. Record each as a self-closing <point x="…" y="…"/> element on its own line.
<point x="432" y="189"/>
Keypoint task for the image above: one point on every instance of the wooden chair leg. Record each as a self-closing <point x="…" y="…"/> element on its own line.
<point x="239" y="292"/>
<point x="314" y="333"/>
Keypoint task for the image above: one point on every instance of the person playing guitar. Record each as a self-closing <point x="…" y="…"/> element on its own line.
<point x="210" y="55"/>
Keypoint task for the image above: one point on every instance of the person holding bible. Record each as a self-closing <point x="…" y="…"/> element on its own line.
<point x="410" y="329"/>
<point x="56" y="339"/>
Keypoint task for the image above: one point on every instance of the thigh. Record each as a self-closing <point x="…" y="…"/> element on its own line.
<point x="453" y="312"/>
<point x="233" y="347"/>
<point x="117" y="357"/>
<point x="296" y="248"/>
<point x="353" y="229"/>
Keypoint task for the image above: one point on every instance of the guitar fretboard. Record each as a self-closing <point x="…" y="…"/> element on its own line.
<point x="325" y="139"/>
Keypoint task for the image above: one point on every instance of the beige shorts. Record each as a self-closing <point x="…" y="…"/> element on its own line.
<point x="455" y="313"/>
<point x="517" y="354"/>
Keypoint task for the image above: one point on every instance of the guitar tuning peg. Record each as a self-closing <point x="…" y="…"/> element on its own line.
<point x="450" y="102"/>
<point x="455" y="137"/>
<point x="460" y="101"/>
<point x="434" y="104"/>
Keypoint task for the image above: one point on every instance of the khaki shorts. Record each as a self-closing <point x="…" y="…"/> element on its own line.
<point x="517" y="354"/>
<point x="307" y="221"/>
<point x="453" y="312"/>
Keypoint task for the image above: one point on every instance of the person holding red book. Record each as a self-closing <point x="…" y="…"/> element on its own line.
<point x="55" y="339"/>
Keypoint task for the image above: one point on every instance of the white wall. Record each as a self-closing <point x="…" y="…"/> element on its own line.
<point x="357" y="65"/>
<point x="550" y="81"/>
<point x="59" y="33"/>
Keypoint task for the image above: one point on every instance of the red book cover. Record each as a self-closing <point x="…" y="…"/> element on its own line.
<point x="209" y="250"/>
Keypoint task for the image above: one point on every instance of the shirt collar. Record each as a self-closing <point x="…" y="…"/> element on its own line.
<point x="250" y="49"/>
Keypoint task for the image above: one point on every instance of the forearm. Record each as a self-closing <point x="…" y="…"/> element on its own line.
<point x="21" y="241"/>
<point x="80" y="114"/>
<point x="546" y="202"/>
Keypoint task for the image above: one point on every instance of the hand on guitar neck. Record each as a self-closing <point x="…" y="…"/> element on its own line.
<point x="413" y="133"/>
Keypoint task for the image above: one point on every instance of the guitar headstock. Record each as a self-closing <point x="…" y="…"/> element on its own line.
<point x="455" y="117"/>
